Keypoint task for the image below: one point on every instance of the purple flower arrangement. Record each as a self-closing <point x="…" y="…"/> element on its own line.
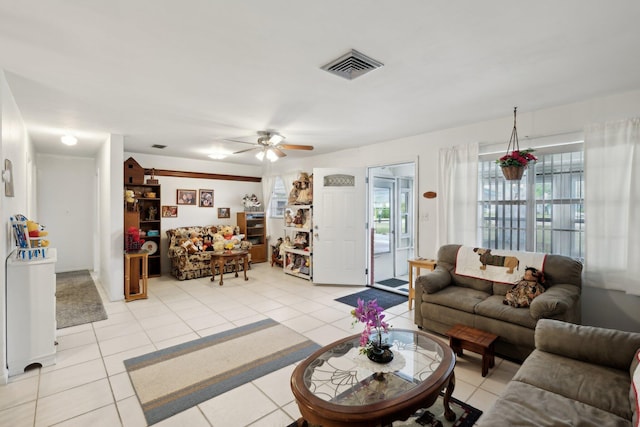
<point x="370" y="313"/>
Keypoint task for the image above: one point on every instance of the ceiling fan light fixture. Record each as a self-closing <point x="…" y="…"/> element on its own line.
<point x="271" y="155"/>
<point x="275" y="138"/>
<point x="260" y="155"/>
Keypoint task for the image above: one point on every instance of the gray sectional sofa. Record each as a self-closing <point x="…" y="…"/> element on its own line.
<point x="576" y="376"/>
<point x="444" y="298"/>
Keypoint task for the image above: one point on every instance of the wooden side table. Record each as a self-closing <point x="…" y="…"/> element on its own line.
<point x="418" y="263"/>
<point x="221" y="258"/>
<point x="136" y="273"/>
<point x="476" y="340"/>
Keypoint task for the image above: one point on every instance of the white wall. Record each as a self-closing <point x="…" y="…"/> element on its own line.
<point x="69" y="215"/>
<point x="15" y="146"/>
<point x="620" y="309"/>
<point x="110" y="221"/>
<point x="226" y="194"/>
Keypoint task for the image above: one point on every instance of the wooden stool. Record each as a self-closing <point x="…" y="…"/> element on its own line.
<point x="475" y="340"/>
<point x="136" y="271"/>
<point x="418" y="263"/>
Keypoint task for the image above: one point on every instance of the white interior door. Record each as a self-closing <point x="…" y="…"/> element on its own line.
<point x="339" y="226"/>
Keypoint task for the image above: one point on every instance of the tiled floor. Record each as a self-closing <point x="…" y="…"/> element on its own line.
<point x="88" y="386"/>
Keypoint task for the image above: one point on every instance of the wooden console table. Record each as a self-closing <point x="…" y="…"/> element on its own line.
<point x="221" y="258"/>
<point x="136" y="272"/>
<point x="418" y="263"/>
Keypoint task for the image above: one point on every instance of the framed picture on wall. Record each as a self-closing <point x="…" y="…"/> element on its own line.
<point x="224" y="213"/>
<point x="206" y="198"/>
<point x="186" y="197"/>
<point x="169" y="212"/>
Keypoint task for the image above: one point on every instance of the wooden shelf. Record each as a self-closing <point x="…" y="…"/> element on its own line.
<point x="253" y="226"/>
<point x="139" y="219"/>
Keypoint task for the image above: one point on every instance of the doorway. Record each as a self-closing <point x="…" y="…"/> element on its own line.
<point x="391" y="225"/>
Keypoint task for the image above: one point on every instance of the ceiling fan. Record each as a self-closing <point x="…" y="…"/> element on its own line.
<point x="270" y="145"/>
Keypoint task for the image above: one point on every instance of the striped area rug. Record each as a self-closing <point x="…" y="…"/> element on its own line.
<point x="171" y="380"/>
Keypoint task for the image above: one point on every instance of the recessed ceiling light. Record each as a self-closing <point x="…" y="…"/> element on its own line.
<point x="217" y="156"/>
<point x="69" y="140"/>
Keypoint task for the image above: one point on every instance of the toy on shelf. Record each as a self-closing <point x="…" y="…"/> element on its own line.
<point x="29" y="236"/>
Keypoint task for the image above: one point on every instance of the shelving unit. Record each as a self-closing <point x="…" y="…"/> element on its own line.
<point x="253" y="226"/>
<point x="147" y="221"/>
<point x="298" y="244"/>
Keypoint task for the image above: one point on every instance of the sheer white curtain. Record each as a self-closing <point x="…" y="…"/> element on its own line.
<point x="612" y="205"/>
<point x="268" y="184"/>
<point x="458" y="195"/>
<point x="287" y="180"/>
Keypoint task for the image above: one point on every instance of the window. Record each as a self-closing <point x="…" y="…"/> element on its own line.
<point x="279" y="200"/>
<point x="543" y="212"/>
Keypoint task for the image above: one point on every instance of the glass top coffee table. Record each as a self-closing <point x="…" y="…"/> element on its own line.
<point x="337" y="386"/>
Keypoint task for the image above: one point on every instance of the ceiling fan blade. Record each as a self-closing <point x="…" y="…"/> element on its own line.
<point x="295" y="147"/>
<point x="244" y="151"/>
<point x="278" y="152"/>
<point x="237" y="140"/>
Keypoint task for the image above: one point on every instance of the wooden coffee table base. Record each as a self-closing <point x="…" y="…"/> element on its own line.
<point x="220" y="259"/>
<point x="475" y="340"/>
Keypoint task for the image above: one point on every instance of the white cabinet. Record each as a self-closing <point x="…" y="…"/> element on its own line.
<point x="298" y="242"/>
<point x="31" y="312"/>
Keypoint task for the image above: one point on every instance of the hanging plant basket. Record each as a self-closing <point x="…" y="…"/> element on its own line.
<point x="514" y="163"/>
<point x="513" y="173"/>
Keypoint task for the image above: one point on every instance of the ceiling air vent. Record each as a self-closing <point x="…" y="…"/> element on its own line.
<point x="158" y="146"/>
<point x="353" y="64"/>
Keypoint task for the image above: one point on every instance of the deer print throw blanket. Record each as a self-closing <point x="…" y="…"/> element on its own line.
<point x="496" y="265"/>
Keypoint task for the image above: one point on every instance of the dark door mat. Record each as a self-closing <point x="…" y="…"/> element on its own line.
<point x="392" y="283"/>
<point x="385" y="299"/>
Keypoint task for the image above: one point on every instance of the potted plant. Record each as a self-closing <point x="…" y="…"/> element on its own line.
<point x="513" y="164"/>
<point x="371" y="344"/>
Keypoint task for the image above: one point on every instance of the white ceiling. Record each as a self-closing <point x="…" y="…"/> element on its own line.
<point x="189" y="74"/>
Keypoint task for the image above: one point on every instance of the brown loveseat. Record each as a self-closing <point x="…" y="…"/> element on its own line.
<point x="186" y="264"/>
<point x="577" y="376"/>
<point x="444" y="298"/>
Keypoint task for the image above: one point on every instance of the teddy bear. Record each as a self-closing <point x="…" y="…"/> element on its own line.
<point x="523" y="292"/>
<point x="189" y="246"/>
<point x="36" y="232"/>
<point x="227" y="231"/>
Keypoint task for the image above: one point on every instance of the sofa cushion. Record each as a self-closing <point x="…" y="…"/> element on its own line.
<point x="457" y="297"/>
<point x="634" y="391"/>
<point x="601" y="346"/>
<point x="494" y="308"/>
<point x="599" y="386"/>
<point x="522" y="404"/>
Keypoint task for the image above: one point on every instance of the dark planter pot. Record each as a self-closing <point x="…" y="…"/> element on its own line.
<point x="380" y="354"/>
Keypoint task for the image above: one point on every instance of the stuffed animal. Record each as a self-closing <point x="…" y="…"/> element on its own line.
<point x="227" y="231"/>
<point x="37" y="231"/>
<point x="129" y="196"/>
<point x="523" y="292"/>
<point x="189" y="246"/>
